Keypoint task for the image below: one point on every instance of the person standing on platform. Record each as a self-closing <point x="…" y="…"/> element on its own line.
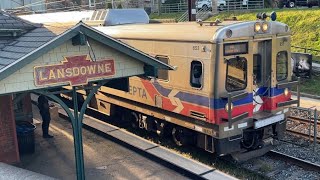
<point x="43" y="105"/>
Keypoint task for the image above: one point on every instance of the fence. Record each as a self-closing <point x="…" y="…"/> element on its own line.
<point x="305" y="50"/>
<point x="171" y="8"/>
<point x="230" y="5"/>
<point x="242" y="5"/>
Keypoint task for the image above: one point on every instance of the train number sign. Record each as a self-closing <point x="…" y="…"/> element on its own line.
<point x="75" y="70"/>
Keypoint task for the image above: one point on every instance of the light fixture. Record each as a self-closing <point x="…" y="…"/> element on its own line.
<point x="228" y="33"/>
<point x="257" y="27"/>
<point x="227" y="108"/>
<point x="286" y="91"/>
<point x="265" y="27"/>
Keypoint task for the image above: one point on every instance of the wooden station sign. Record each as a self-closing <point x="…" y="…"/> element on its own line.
<point x="75" y="70"/>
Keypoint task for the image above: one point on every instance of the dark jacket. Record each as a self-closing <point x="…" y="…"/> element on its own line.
<point x="43" y="104"/>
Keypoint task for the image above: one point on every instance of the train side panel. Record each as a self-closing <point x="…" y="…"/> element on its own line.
<point x="176" y="93"/>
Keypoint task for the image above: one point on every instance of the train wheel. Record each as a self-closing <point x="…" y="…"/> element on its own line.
<point x="178" y="136"/>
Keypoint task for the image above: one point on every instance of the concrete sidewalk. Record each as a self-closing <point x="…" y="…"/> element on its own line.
<point x="103" y="158"/>
<point x="8" y="172"/>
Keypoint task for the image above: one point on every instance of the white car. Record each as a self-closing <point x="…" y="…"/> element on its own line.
<point x="207" y="4"/>
<point x="221" y="5"/>
<point x="204" y="4"/>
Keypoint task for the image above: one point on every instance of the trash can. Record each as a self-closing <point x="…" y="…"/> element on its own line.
<point x="25" y="134"/>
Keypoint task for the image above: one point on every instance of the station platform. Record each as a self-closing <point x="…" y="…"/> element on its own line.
<point x="103" y="158"/>
<point x="8" y="172"/>
<point x="169" y="161"/>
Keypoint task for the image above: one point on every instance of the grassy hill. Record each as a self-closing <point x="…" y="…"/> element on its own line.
<point x="304" y="24"/>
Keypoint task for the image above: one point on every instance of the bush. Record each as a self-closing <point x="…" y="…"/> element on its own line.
<point x="109" y="6"/>
<point x="119" y="6"/>
<point x="281" y="3"/>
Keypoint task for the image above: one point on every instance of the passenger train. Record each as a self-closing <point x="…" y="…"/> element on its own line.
<point x="229" y="93"/>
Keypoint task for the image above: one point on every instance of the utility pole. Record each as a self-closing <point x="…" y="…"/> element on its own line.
<point x="191" y="10"/>
<point x="159" y="7"/>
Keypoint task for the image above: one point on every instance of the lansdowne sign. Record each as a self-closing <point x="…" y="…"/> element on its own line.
<point x="75" y="70"/>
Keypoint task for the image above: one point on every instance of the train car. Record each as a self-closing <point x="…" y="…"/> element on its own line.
<point x="230" y="91"/>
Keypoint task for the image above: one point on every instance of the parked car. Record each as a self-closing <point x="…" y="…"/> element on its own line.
<point x="207" y="4"/>
<point x="294" y="3"/>
<point x="204" y="4"/>
<point x="221" y="4"/>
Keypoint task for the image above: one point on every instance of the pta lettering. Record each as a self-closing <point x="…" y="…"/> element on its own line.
<point x="137" y="91"/>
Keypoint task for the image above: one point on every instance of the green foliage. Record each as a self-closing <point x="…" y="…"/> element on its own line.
<point x="109" y="6"/>
<point x="119" y="6"/>
<point x="311" y="86"/>
<point x="304" y="24"/>
<point x="166" y="15"/>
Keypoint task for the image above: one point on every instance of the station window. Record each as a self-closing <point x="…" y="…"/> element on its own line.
<point x="162" y="73"/>
<point x="282" y="65"/>
<point x="196" y="74"/>
<point x="257" y="68"/>
<point x="236" y="74"/>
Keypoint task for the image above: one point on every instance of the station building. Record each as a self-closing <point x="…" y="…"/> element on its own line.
<point x="28" y="51"/>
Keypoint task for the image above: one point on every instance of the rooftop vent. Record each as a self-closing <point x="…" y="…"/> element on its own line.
<point x="106" y="17"/>
<point x="126" y="16"/>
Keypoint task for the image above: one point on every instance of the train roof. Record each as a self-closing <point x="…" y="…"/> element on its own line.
<point x="115" y="24"/>
<point x="192" y="31"/>
<point x="186" y="31"/>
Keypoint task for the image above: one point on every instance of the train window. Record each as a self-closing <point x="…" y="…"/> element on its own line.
<point x="162" y="73"/>
<point x="257" y="68"/>
<point x="236" y="74"/>
<point x="196" y="74"/>
<point x="282" y="65"/>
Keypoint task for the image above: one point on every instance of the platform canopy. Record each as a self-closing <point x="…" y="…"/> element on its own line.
<point x="34" y="56"/>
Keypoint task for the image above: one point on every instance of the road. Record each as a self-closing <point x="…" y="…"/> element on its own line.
<point x="309" y="103"/>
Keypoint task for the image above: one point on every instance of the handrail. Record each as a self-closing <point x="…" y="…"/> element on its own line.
<point x="183" y="17"/>
<point x="231" y="98"/>
<point x="290" y="84"/>
<point x="305" y="49"/>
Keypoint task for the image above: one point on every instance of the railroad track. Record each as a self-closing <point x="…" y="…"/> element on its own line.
<point x="304" y="120"/>
<point x="304" y="128"/>
<point x="293" y="160"/>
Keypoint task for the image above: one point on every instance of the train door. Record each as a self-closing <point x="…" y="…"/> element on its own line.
<point x="262" y="62"/>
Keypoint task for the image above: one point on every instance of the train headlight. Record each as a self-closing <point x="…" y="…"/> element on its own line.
<point x="265" y="27"/>
<point x="228" y="33"/>
<point x="286" y="91"/>
<point x="227" y="108"/>
<point x="257" y="27"/>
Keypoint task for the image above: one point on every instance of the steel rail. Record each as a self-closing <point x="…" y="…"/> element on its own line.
<point x="307" y="165"/>
<point x="302" y="120"/>
<point x="303" y="135"/>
